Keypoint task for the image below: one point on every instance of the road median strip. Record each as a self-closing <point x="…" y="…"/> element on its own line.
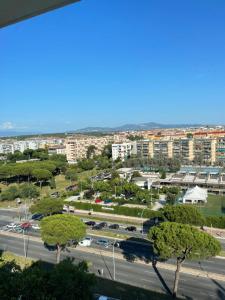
<point x="166" y="266"/>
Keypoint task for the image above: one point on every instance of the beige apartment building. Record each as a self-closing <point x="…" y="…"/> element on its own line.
<point x="76" y="146"/>
<point x="203" y="150"/>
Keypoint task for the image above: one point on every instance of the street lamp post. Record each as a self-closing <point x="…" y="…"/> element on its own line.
<point x="114" y="264"/>
<point x="24" y="246"/>
<point x="142" y="221"/>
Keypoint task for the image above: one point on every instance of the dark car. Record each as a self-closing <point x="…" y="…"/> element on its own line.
<point x="114" y="226"/>
<point x="131" y="228"/>
<point x="90" y="223"/>
<point x="103" y="224"/>
<point x="37" y="217"/>
<point x="97" y="227"/>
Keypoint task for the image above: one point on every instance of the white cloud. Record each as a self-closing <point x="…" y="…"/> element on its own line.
<point x="7" y="125"/>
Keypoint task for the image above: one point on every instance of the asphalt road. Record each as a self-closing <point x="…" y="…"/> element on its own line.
<point x="131" y="250"/>
<point x="132" y="273"/>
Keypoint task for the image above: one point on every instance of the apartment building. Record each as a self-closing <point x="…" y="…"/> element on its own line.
<point x="220" y="150"/>
<point x="183" y="148"/>
<point x="204" y="150"/>
<point x="123" y="150"/>
<point x="76" y="147"/>
<point x="12" y="145"/>
<point x="6" y="148"/>
<point x="145" y="149"/>
<point x="163" y="149"/>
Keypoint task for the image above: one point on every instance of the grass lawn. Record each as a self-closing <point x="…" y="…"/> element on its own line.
<point x="124" y="291"/>
<point x="19" y="260"/>
<point x="214" y="206"/>
<point x="60" y="182"/>
<point x="87" y="174"/>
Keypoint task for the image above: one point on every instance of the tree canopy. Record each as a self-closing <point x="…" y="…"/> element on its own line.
<point x="47" y="206"/>
<point x="63" y="281"/>
<point x="185" y="214"/>
<point x="60" y="229"/>
<point x="181" y="241"/>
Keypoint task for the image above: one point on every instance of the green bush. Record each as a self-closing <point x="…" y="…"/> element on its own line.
<point x="119" y="210"/>
<point x="215" y="221"/>
<point x="185" y="214"/>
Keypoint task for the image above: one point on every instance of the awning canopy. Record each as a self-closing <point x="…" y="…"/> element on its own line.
<point x="12" y="11"/>
<point x="196" y="193"/>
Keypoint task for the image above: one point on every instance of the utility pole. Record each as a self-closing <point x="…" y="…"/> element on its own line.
<point x="24" y="246"/>
<point x="142" y="222"/>
<point x="114" y="264"/>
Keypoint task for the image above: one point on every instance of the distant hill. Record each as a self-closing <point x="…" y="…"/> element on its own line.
<point x="131" y="127"/>
<point x="9" y="133"/>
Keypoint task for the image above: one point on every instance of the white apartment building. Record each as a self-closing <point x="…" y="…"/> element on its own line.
<point x="6" y="148"/>
<point x="10" y="146"/>
<point x="123" y="150"/>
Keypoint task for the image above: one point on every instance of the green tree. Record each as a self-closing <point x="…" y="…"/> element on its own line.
<point x="65" y="280"/>
<point x="41" y="175"/>
<point x="91" y="151"/>
<point x="136" y="174"/>
<point x="179" y="241"/>
<point x="47" y="206"/>
<point x="189" y="135"/>
<point x="101" y="186"/>
<point x="86" y="164"/>
<point x="60" y="229"/>
<point x="27" y="190"/>
<point x="163" y="174"/>
<point x="71" y="174"/>
<point x="171" y="198"/>
<point x="52" y="183"/>
<point x="114" y="175"/>
<point x="103" y="163"/>
<point x="42" y="154"/>
<point x="107" y="151"/>
<point x="185" y="214"/>
<point x="10" y="193"/>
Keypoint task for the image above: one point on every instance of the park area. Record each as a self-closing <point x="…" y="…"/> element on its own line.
<point x="215" y="206"/>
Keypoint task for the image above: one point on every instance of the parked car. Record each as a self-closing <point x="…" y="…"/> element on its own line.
<point x="37" y="217"/>
<point x="107" y="201"/>
<point x="114" y="226"/>
<point x="90" y="223"/>
<point x="26" y="225"/>
<point x="98" y="200"/>
<point x="103" y="224"/>
<point x="12" y="225"/>
<point x="86" y="242"/>
<point x="97" y="227"/>
<point x="35" y="226"/>
<point x="103" y="242"/>
<point x="131" y="228"/>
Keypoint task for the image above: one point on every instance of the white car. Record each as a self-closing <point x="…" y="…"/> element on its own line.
<point x="12" y="225"/>
<point x="35" y="227"/>
<point x="86" y="242"/>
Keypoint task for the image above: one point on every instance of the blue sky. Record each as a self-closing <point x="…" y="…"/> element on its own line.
<point x="107" y="63"/>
